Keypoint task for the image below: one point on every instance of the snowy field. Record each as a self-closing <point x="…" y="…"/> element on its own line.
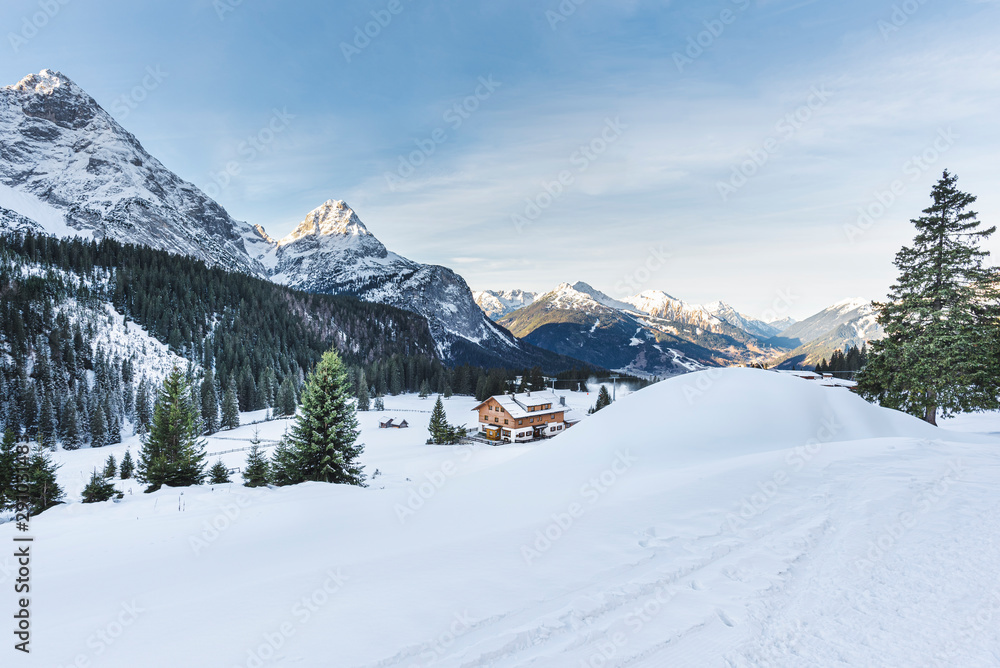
<point x="726" y="518"/>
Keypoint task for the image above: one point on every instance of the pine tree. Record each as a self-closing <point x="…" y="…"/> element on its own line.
<point x="127" y="468"/>
<point x="98" y="489"/>
<point x="364" y="401"/>
<point x="43" y="490"/>
<point x="110" y="467"/>
<point x="941" y="319"/>
<point x="603" y="398"/>
<point x="325" y="434"/>
<point x="286" y="401"/>
<point x="425" y="389"/>
<point x="98" y="428"/>
<point x="8" y="465"/>
<point x="143" y="412"/>
<point x="69" y="426"/>
<point x="218" y="474"/>
<point x="285" y="467"/>
<point x="173" y="452"/>
<point x="439" y="428"/>
<point x="47" y="422"/>
<point x="395" y="381"/>
<point x="256" y="473"/>
<point x="209" y="403"/>
<point x="379" y="403"/>
<point x="230" y="407"/>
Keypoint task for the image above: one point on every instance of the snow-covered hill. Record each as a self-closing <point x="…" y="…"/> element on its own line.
<point x="498" y="303"/>
<point x="68" y="168"/>
<point x="729" y="518"/>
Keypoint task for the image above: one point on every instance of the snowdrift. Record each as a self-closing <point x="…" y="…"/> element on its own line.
<point x="729" y="518"/>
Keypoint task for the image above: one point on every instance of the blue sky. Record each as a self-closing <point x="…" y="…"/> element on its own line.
<point x="713" y="150"/>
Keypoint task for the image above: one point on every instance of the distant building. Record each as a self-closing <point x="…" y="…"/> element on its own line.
<point x="516" y="418"/>
<point x="391" y="424"/>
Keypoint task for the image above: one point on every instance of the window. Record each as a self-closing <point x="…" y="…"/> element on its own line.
<point x="520" y="422"/>
<point x="505" y="422"/>
<point x="532" y="420"/>
<point x="497" y="420"/>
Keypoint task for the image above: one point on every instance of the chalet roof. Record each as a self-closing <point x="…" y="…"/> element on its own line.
<point x="517" y="405"/>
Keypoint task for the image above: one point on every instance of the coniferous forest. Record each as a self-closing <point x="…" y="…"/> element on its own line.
<point x="246" y="344"/>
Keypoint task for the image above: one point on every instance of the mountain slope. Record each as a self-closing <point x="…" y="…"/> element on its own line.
<point x="583" y="322"/>
<point x="67" y="165"/>
<point x="845" y="324"/>
<point x="67" y="168"/>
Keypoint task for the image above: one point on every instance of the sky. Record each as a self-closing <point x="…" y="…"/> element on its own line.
<point x="767" y="153"/>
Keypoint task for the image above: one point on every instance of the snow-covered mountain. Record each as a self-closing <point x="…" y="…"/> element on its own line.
<point x="661" y="305"/>
<point x="68" y="168"/>
<point x="332" y="251"/>
<point x="651" y="333"/>
<point x="847" y="323"/>
<point x="498" y="303"/>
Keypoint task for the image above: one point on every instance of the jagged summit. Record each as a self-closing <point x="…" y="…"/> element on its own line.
<point x="333" y="217"/>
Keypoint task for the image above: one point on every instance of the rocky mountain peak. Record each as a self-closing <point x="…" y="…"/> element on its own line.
<point x="332" y="218"/>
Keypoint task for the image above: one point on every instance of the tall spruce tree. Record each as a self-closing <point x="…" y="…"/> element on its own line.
<point x="603" y="398"/>
<point x="173" y="452"/>
<point x="325" y="435"/>
<point x="439" y="428"/>
<point x="230" y="407"/>
<point x="209" y="403"/>
<point x="941" y="318"/>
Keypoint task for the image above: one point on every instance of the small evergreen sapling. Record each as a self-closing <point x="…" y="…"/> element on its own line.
<point x="218" y="474"/>
<point x="256" y="472"/>
<point x="110" y="467"/>
<point x="98" y="489"/>
<point x="127" y="468"/>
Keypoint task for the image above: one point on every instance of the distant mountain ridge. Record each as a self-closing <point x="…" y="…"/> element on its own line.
<point x="498" y="303"/>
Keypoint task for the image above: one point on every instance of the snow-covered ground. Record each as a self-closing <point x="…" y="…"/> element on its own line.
<point x="733" y="518"/>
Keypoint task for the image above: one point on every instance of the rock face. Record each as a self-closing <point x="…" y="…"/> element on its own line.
<point x="68" y="168"/>
<point x="67" y="165"/>
<point x="333" y="252"/>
